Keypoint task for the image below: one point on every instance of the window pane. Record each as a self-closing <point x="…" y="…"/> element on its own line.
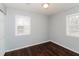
<point x="22" y="25"/>
<point x="73" y="25"/>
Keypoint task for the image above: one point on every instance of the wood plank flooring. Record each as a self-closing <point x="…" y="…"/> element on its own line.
<point x="45" y="49"/>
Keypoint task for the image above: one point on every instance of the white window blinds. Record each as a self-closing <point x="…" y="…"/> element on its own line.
<point x="22" y="25"/>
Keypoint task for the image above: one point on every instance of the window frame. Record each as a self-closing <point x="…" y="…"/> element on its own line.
<point x="25" y="26"/>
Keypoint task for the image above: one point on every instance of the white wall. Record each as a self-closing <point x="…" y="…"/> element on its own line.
<point x="44" y="28"/>
<point x="57" y="28"/>
<point x="2" y="33"/>
<point x="2" y="39"/>
<point x="39" y="30"/>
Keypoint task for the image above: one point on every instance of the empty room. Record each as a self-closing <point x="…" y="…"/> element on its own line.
<point x="39" y="29"/>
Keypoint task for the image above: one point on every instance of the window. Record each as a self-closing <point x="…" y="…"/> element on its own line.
<point x="22" y="25"/>
<point x="73" y="25"/>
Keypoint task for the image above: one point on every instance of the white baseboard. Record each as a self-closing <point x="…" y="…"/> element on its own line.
<point x="65" y="47"/>
<point x="2" y="53"/>
<point x="26" y="46"/>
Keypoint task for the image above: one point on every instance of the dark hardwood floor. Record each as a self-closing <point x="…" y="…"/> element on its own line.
<point x="45" y="49"/>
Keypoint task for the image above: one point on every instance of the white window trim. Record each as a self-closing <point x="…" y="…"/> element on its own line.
<point x="25" y="32"/>
<point x="67" y="26"/>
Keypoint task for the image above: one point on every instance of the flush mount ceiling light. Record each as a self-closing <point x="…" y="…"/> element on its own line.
<point x="45" y="5"/>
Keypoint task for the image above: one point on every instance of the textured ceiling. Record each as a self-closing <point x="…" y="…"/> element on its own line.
<point x="36" y="7"/>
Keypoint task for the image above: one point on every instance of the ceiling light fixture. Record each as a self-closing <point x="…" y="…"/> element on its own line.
<point x="45" y="5"/>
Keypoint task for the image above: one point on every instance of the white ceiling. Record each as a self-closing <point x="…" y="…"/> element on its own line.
<point x="36" y="7"/>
